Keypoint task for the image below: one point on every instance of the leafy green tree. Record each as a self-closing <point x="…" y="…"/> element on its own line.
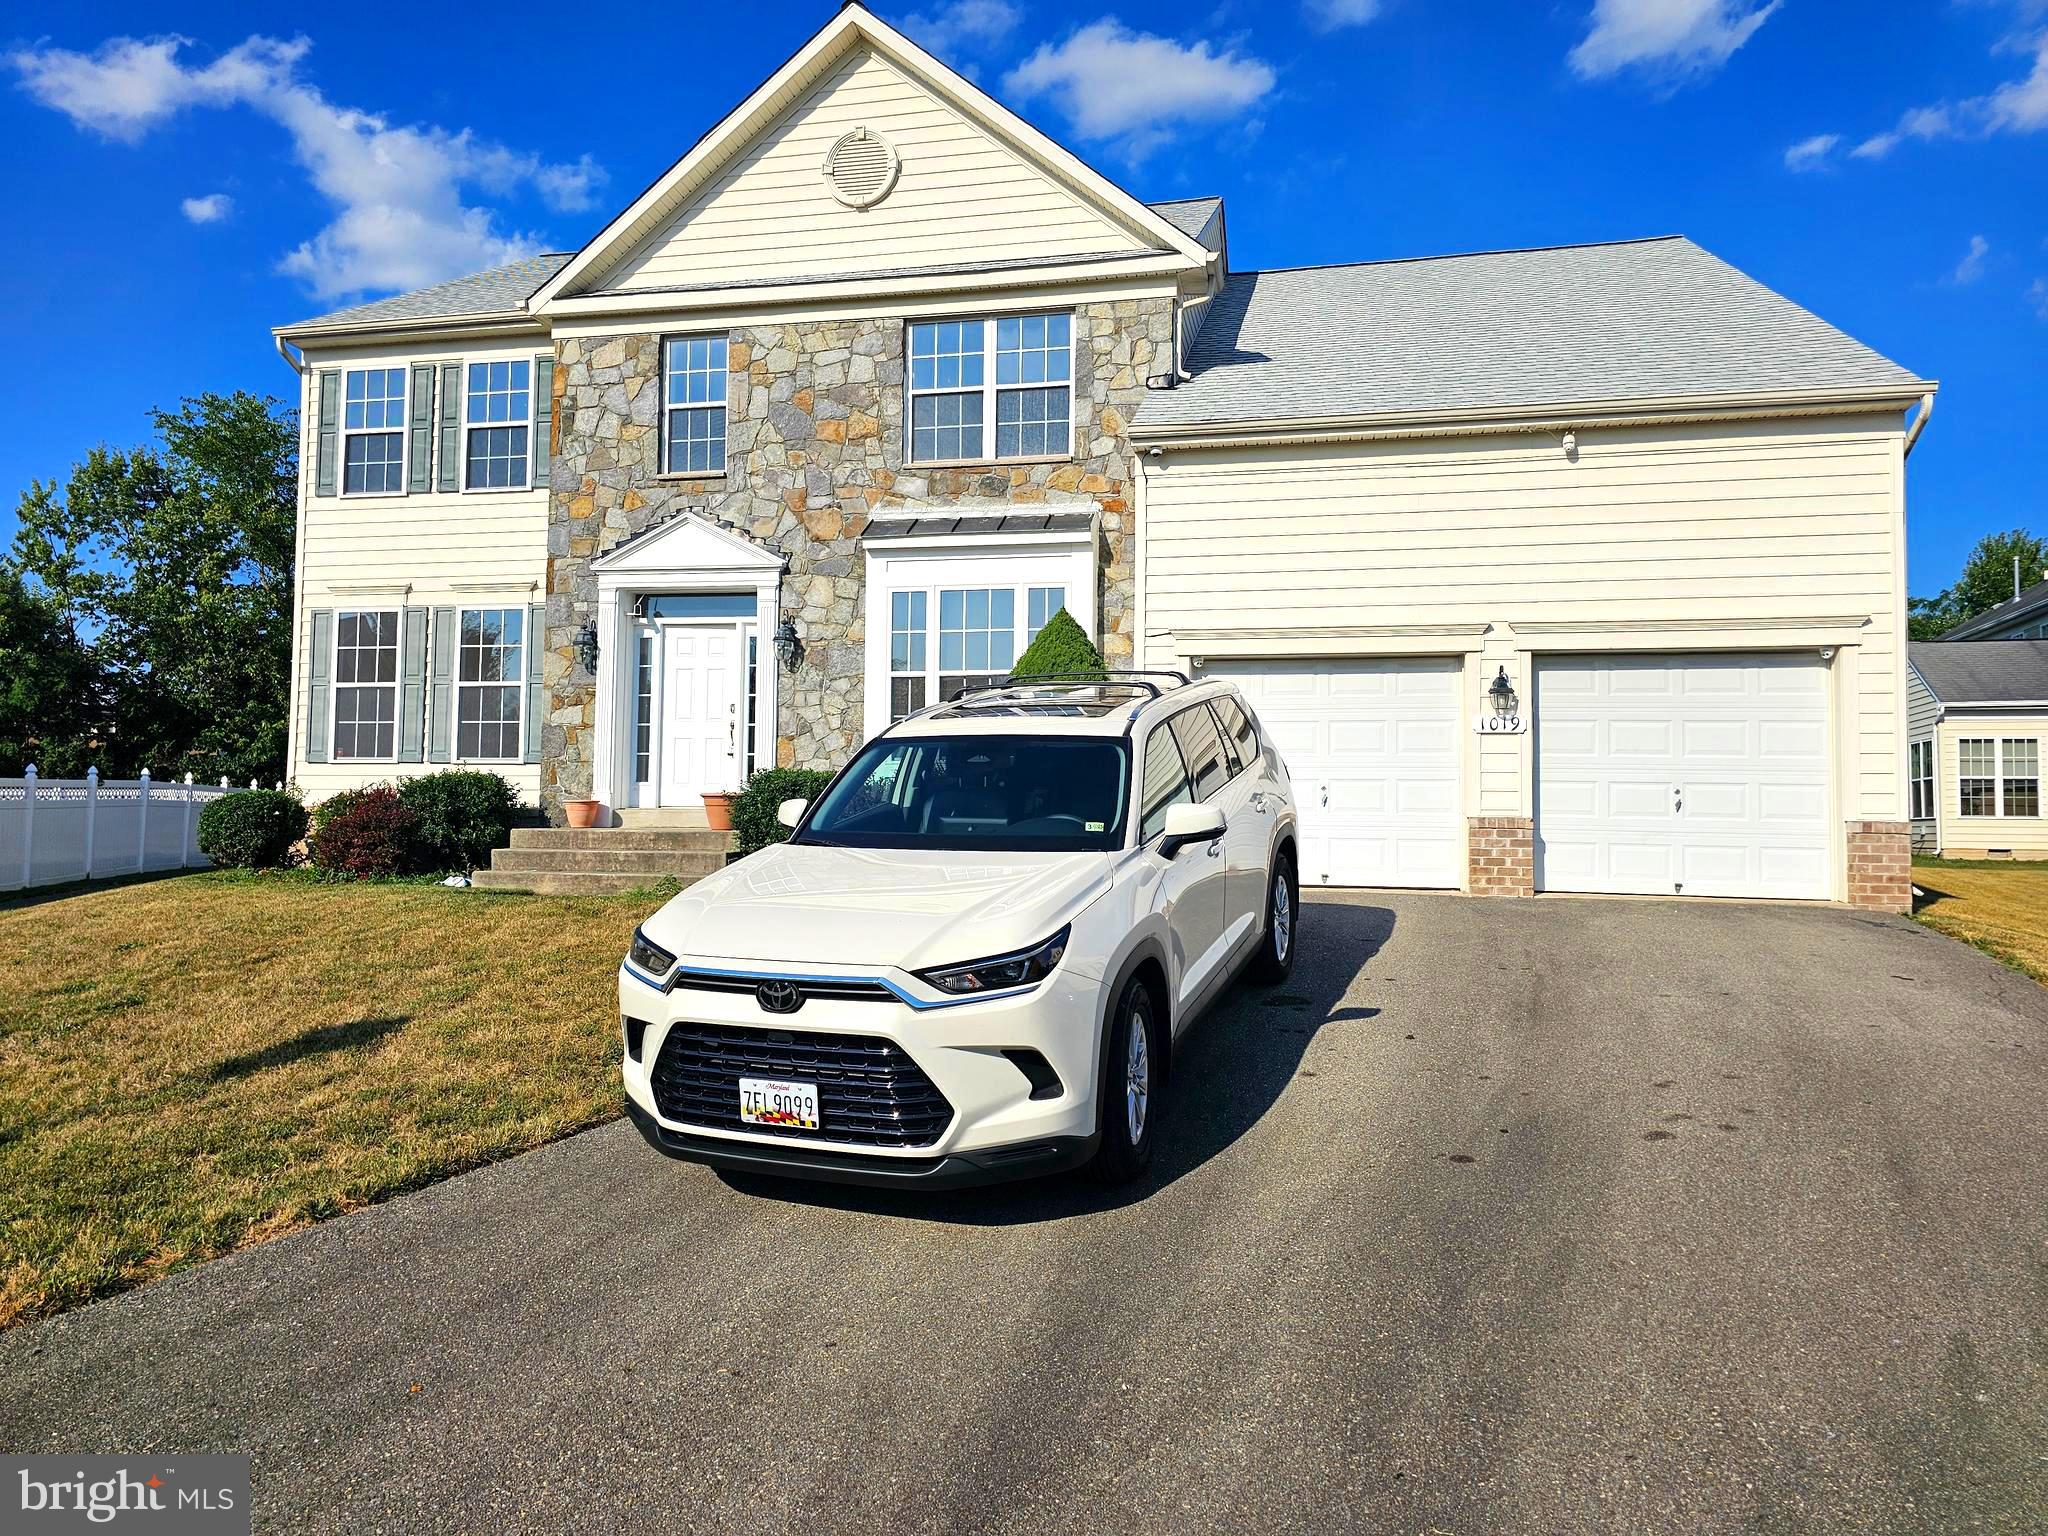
<point x="48" y="685"/>
<point x="173" y="563"/>
<point x="1062" y="646"/>
<point x="1985" y="583"/>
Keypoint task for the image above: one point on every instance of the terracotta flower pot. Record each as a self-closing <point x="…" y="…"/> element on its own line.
<point x="582" y="813"/>
<point x="718" y="812"/>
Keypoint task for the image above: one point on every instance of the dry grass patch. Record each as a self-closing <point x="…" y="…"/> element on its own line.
<point x="2001" y="908"/>
<point x="193" y="1064"/>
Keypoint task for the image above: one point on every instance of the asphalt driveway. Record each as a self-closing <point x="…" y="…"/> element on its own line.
<point x="1502" y="1216"/>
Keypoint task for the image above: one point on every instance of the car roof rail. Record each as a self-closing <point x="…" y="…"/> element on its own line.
<point x="1119" y="677"/>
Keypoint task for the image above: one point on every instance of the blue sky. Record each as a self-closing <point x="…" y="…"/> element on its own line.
<point x="192" y="177"/>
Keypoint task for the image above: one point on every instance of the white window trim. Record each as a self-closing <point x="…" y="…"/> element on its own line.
<point x="517" y="684"/>
<point x="1018" y="561"/>
<point x="1920" y="780"/>
<point x="1998" y="777"/>
<point x="335" y="685"/>
<point x="404" y="431"/>
<point x="724" y="403"/>
<point x="989" y="388"/>
<point x="462" y="445"/>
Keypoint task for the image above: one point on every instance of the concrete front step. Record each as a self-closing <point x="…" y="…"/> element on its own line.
<point x="674" y="839"/>
<point x="654" y="863"/>
<point x="558" y="883"/>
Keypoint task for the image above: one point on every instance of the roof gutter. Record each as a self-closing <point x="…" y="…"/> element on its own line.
<point x="284" y="350"/>
<point x="1919" y="423"/>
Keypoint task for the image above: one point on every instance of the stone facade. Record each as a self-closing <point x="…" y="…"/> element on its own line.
<point x="814" y="449"/>
<point x="1502" y="854"/>
<point x="1881" y="866"/>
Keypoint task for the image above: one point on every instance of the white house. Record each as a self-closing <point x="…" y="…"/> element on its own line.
<point x="1574" y="569"/>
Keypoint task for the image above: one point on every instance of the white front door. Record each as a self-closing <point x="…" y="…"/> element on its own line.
<point x="699" y="712"/>
<point x="1372" y="749"/>
<point x="1683" y="775"/>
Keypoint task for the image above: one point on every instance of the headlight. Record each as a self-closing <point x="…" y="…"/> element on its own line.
<point x="1002" y="973"/>
<point x="648" y="956"/>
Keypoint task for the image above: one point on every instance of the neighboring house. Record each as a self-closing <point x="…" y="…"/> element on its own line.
<point x="877" y="377"/>
<point x="1977" y="715"/>
<point x="2025" y="617"/>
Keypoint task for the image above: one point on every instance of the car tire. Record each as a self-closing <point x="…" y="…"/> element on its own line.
<point x="1275" y="959"/>
<point x="1134" y="1054"/>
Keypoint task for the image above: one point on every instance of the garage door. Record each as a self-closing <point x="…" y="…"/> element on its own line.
<point x="1682" y="775"/>
<point x="1373" y="750"/>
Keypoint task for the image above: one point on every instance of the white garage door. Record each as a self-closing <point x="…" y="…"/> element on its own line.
<point x="1373" y="750"/>
<point x="1682" y="775"/>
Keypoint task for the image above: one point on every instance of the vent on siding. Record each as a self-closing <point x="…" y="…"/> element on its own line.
<point x="861" y="168"/>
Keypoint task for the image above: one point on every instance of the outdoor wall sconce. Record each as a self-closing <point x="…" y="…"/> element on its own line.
<point x="788" y="646"/>
<point x="586" y="648"/>
<point x="1501" y="694"/>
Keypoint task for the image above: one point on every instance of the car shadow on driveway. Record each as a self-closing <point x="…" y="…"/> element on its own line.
<point x="1227" y="1073"/>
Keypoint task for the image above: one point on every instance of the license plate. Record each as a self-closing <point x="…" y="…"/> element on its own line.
<point x="764" y="1101"/>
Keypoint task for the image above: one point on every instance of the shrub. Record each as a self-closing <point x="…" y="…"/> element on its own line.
<point x="753" y="812"/>
<point x="341" y="803"/>
<point x="373" y="833"/>
<point x="252" y="828"/>
<point x="462" y="816"/>
<point x="1062" y="646"/>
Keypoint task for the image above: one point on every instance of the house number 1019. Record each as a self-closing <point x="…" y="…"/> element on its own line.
<point x="1487" y="723"/>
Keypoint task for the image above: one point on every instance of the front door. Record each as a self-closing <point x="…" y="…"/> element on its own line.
<point x="700" y="715"/>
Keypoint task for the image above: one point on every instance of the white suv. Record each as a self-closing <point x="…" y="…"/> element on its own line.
<point x="973" y="956"/>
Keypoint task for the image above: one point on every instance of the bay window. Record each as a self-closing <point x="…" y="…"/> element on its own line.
<point x="365" y="686"/>
<point x="989" y="389"/>
<point x="1920" y="780"/>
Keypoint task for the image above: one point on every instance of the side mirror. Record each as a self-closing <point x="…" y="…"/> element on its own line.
<point x="1187" y="824"/>
<point x="790" y="812"/>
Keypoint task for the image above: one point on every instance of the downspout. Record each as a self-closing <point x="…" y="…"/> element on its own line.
<point x="1919" y="422"/>
<point x="298" y="364"/>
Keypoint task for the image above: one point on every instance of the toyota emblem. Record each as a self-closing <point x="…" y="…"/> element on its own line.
<point x="778" y="997"/>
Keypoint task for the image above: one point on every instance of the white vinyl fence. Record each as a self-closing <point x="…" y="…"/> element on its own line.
<point x="53" y="830"/>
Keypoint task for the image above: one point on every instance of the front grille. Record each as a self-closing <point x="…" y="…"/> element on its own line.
<point x="857" y="989"/>
<point x="870" y="1093"/>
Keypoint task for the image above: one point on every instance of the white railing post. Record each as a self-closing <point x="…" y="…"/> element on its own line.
<point x="142" y="823"/>
<point x="28" y="824"/>
<point x="92" y="813"/>
<point x="185" y="847"/>
<point x="252" y="782"/>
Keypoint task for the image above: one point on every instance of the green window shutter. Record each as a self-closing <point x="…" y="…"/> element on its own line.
<point x="451" y="431"/>
<point x="543" y="415"/>
<point x="319" y="684"/>
<point x="536" y="628"/>
<point x="327" y="436"/>
<point x="412" y="687"/>
<point x="419" y="474"/>
<point x="441" y="689"/>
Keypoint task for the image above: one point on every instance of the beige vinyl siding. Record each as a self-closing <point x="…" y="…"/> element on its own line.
<point x="1964" y="837"/>
<point x="436" y="549"/>
<point x="1727" y="526"/>
<point x="1922" y="715"/>
<point x="961" y="195"/>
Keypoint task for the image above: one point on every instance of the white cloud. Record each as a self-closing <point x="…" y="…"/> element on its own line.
<point x="1920" y="123"/>
<point x="1811" y="154"/>
<point x="962" y="26"/>
<point x="210" y="209"/>
<point x="1674" y="37"/>
<point x="1329" y="15"/>
<point x="1971" y="267"/>
<point x="1132" y="89"/>
<point x="2038" y="297"/>
<point x="2018" y="106"/>
<point x="402" y="219"/>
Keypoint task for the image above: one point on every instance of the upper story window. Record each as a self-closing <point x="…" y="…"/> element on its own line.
<point x="991" y="389"/>
<point x="373" y="432"/>
<point x="694" y="370"/>
<point x="499" y="418"/>
<point x="365" y="686"/>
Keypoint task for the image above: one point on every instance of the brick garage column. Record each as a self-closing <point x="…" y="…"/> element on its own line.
<point x="1502" y="850"/>
<point x="1881" y="865"/>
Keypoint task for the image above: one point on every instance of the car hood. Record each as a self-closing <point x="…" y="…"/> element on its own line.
<point x="809" y="905"/>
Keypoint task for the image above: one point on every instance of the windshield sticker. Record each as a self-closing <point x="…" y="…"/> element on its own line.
<point x="1095" y="826"/>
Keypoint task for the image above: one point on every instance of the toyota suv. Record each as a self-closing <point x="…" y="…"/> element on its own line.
<point x="973" y="956"/>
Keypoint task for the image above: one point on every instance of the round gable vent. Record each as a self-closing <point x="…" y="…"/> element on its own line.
<point x="861" y="168"/>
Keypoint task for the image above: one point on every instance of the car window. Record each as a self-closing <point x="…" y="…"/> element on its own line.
<point x="1166" y="783"/>
<point x="1233" y="764"/>
<point x="1238" y="727"/>
<point x="1200" y="744"/>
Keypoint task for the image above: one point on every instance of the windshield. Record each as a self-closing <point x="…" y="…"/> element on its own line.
<point x="1051" y="794"/>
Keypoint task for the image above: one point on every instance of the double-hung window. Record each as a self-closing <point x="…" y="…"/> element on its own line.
<point x="1998" y="777"/>
<point x="1977" y="776"/>
<point x="1920" y="780"/>
<point x="991" y="389"/>
<point x="694" y="378"/>
<point x="365" y="686"/>
<point x="373" y="432"/>
<point x="490" y="684"/>
<point x="499" y="420"/>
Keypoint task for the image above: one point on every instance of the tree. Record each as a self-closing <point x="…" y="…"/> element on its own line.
<point x="1062" y="646"/>
<point x="48" y="686"/>
<point x="173" y="564"/>
<point x="1985" y="583"/>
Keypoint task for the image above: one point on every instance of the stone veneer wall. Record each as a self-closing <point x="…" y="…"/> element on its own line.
<point x="814" y="449"/>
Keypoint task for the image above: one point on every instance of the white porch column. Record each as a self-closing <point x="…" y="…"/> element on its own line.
<point x="608" y="755"/>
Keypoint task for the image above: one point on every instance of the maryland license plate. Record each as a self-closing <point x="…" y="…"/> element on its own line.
<point x="764" y="1101"/>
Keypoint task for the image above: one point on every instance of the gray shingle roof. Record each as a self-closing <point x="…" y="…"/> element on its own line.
<point x="1983" y="671"/>
<point x="1189" y="215"/>
<point x="1637" y="320"/>
<point x="2030" y="604"/>
<point x="498" y="291"/>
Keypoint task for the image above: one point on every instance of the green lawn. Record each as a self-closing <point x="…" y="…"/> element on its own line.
<point x="1996" y="904"/>
<point x="189" y="1065"/>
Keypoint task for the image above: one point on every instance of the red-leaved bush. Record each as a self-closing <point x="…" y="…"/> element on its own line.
<point x="373" y="833"/>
